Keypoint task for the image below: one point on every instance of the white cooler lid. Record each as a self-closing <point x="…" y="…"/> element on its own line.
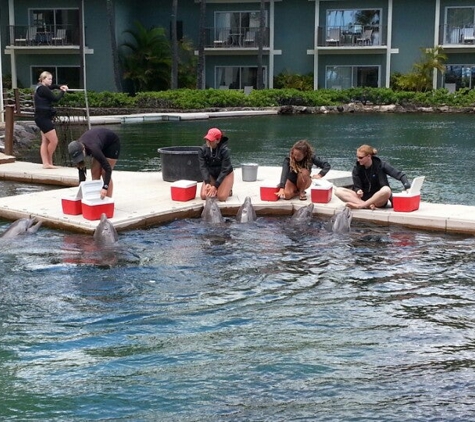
<point x="184" y="183"/>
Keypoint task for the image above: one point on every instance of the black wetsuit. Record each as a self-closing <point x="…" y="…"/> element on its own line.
<point x="44" y="112"/>
<point x="101" y="144"/>
<point x="288" y="174"/>
<point x="371" y="180"/>
<point x="215" y="163"/>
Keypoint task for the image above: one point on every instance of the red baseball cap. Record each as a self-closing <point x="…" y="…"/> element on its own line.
<point x="213" y="135"/>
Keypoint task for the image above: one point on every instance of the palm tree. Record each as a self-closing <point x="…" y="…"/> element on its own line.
<point x="201" y="46"/>
<point x="147" y="59"/>
<point x="174" y="76"/>
<point x="433" y="61"/>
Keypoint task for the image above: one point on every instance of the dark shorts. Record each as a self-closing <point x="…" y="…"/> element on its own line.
<point x="293" y="177"/>
<point x="112" y="151"/>
<point x="44" y="123"/>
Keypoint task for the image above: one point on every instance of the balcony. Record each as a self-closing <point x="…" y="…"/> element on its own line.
<point x="355" y="37"/>
<point x="238" y="38"/>
<point x="456" y="38"/>
<point x="41" y="38"/>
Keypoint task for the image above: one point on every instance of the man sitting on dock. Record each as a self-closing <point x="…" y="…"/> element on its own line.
<point x="104" y="147"/>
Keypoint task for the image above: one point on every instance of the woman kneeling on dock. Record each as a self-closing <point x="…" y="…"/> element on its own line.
<point x="370" y="182"/>
<point x="215" y="166"/>
<point x="296" y="170"/>
<point x="104" y="147"/>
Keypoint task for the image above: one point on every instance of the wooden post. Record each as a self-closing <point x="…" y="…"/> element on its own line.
<point x="17" y="101"/>
<point x="9" y="127"/>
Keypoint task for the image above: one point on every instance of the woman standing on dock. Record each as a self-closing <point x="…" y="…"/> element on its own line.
<point x="297" y="169"/>
<point x="215" y="166"/>
<point x="103" y="146"/>
<point x="44" y="113"/>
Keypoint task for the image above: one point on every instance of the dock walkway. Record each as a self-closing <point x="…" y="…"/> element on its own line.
<point x="143" y="199"/>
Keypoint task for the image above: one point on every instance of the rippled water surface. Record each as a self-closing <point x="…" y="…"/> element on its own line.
<point x="260" y="322"/>
<point x="188" y="321"/>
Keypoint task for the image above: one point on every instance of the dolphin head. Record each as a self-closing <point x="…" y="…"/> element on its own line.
<point x="105" y="232"/>
<point x="22" y="226"/>
<point x="246" y="213"/>
<point x="303" y="214"/>
<point x="342" y="221"/>
<point x="211" y="212"/>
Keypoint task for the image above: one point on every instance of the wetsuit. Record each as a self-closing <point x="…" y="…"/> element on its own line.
<point x="288" y="174"/>
<point x="371" y="180"/>
<point x="215" y="163"/>
<point x="44" y="112"/>
<point x="101" y="144"/>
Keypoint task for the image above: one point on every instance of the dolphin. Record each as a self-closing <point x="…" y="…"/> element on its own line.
<point x="211" y="212"/>
<point x="22" y="226"/>
<point x="105" y="232"/>
<point x="303" y="215"/>
<point x="340" y="222"/>
<point x="246" y="213"/>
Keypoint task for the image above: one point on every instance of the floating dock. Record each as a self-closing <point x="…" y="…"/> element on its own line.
<point x="143" y="199"/>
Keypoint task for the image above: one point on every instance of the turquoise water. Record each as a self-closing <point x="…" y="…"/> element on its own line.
<point x="262" y="322"/>
<point x="439" y="146"/>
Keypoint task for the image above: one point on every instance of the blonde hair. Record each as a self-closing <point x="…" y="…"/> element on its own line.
<point x="44" y="75"/>
<point x="307" y="151"/>
<point x="367" y="150"/>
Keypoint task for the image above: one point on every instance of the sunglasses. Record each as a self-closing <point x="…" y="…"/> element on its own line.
<point x="360" y="158"/>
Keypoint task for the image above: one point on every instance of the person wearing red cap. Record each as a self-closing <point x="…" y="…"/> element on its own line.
<point x="296" y="171"/>
<point x="215" y="166"/>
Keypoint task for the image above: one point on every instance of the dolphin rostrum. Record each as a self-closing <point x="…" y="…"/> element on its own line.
<point x="246" y="213"/>
<point x="22" y="226"/>
<point x="105" y="232"/>
<point x="340" y="222"/>
<point x="303" y="215"/>
<point x="211" y="212"/>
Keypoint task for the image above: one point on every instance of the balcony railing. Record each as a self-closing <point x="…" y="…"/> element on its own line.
<point x="242" y="37"/>
<point x="355" y="36"/>
<point x="41" y="36"/>
<point x="456" y="35"/>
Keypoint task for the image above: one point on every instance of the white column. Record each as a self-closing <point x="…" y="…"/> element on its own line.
<point x="11" y="20"/>
<point x="271" y="45"/>
<point x="436" y="39"/>
<point x="315" y="45"/>
<point x="389" y="41"/>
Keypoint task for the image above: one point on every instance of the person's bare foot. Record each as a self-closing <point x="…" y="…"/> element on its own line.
<point x="354" y="206"/>
<point x="49" y="166"/>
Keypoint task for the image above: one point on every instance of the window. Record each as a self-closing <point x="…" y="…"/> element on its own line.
<point x="458" y="20"/>
<point x="233" y="27"/>
<point x="237" y="77"/>
<point x="352" y="24"/>
<point x="343" y="77"/>
<point x="50" y="20"/>
<point x="62" y="75"/>
<point x="462" y="76"/>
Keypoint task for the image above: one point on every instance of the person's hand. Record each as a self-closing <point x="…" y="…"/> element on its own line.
<point x="359" y="192"/>
<point x="63" y="87"/>
<point x="103" y="193"/>
<point x="280" y="193"/>
<point x="317" y="176"/>
<point x="211" y="191"/>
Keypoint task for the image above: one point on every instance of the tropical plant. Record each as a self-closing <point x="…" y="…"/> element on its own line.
<point x="421" y="77"/>
<point x="147" y="58"/>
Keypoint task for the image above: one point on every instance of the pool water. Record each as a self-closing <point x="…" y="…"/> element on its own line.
<point x="189" y="321"/>
<point x="265" y="322"/>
